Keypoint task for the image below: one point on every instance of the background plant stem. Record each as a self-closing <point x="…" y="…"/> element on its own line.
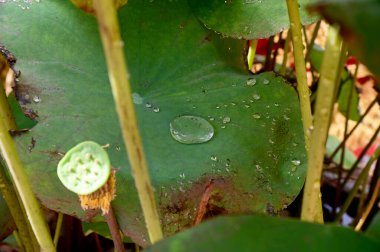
<point x="286" y="51"/>
<point x="251" y="53"/>
<point x="353" y="129"/>
<point x="302" y="88"/>
<point x="325" y="98"/>
<point x="121" y="90"/>
<point x="58" y="229"/>
<point x="20" y="180"/>
<point x="114" y="230"/>
<point x="358" y="182"/>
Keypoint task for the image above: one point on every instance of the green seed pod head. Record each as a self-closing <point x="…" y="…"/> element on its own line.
<point x="85" y="168"/>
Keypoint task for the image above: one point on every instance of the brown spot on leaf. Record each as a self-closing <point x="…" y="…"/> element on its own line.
<point x="25" y="93"/>
<point x="32" y="144"/>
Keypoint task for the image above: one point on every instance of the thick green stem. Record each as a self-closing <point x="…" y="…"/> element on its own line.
<point x="20" y="180"/>
<point x="358" y="182"/>
<point x="325" y="98"/>
<point x="121" y="90"/>
<point x="342" y="61"/>
<point x="251" y="53"/>
<point x="10" y="198"/>
<point x="286" y="50"/>
<point x="302" y="88"/>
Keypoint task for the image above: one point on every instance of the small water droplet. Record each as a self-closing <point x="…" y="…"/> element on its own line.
<point x="233" y="104"/>
<point x="191" y="129"/>
<point x="256" y="116"/>
<point x="266" y="82"/>
<point x="228" y="162"/>
<point x="36" y="99"/>
<point x="223" y="126"/>
<point x="276" y="104"/>
<point x="258" y="168"/>
<point x="148" y="105"/>
<point x="247" y="106"/>
<point x="271" y="141"/>
<point x="296" y="162"/>
<point x="182" y="175"/>
<point x="251" y="81"/>
<point x="214" y="158"/>
<point x="256" y="96"/>
<point x="137" y="99"/>
<point x="156" y="109"/>
<point x="286" y="118"/>
<point x="226" y="119"/>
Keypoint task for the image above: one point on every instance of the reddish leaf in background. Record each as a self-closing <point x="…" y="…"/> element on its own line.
<point x="365" y="79"/>
<point x="358" y="151"/>
<point x="262" y="46"/>
<point x="351" y="61"/>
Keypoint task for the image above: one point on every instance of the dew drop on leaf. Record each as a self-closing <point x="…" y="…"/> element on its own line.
<point x="251" y="81"/>
<point x="256" y="116"/>
<point x="36" y="99"/>
<point x="226" y="119"/>
<point x="256" y="96"/>
<point x="137" y="99"/>
<point x="191" y="129"/>
<point x="296" y="162"/>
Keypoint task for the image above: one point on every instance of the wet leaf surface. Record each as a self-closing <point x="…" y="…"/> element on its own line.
<point x="254" y="162"/>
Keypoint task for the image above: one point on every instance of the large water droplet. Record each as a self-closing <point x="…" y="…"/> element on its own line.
<point x="191" y="129"/>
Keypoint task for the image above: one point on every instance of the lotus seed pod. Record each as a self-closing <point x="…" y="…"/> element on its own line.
<point x="85" y="168"/>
